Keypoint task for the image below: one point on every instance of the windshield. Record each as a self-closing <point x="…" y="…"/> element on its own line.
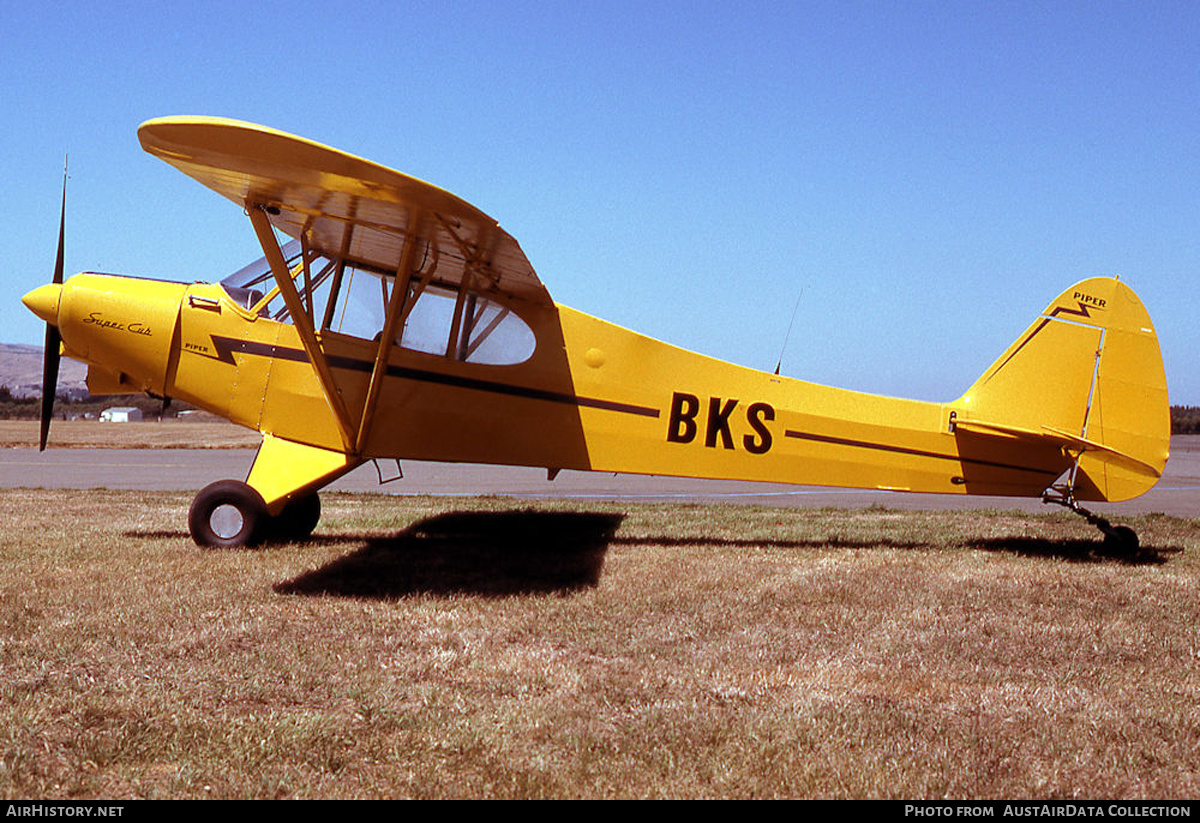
<point x="249" y="284"/>
<point x="437" y="319"/>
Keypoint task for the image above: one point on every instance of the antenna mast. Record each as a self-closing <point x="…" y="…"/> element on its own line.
<point x="789" y="331"/>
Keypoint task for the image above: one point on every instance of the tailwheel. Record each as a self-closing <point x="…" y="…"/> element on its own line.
<point x="1117" y="539"/>
<point x="227" y="514"/>
<point x="297" y="520"/>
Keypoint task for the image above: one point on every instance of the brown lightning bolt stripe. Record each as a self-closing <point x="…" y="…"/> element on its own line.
<point x="227" y="346"/>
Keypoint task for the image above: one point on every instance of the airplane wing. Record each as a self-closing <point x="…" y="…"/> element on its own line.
<point x="347" y="207"/>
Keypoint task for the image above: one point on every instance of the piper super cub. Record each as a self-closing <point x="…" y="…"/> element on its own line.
<point x="402" y="322"/>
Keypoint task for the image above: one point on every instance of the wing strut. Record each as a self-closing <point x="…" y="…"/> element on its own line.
<point x="302" y="321"/>
<point x="339" y="270"/>
<point x="388" y="336"/>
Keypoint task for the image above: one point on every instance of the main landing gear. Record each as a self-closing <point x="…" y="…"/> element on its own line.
<point x="229" y="514"/>
<point x="1117" y="539"/>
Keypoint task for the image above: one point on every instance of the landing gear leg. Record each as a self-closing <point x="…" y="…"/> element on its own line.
<point x="1117" y="539"/>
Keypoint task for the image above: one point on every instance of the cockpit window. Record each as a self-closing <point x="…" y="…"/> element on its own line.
<point x="256" y="276"/>
<point x="487" y="332"/>
<point x="437" y="319"/>
<point x="246" y="298"/>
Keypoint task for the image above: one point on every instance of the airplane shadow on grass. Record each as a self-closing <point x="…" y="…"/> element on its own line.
<point x="489" y="553"/>
<point x="496" y="554"/>
<point x="529" y="552"/>
<point x="1075" y="550"/>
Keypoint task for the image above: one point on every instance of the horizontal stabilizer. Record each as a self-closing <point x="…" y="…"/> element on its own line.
<point x="1066" y="440"/>
<point x="1107" y="453"/>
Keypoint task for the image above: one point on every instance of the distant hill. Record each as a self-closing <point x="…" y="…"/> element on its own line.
<point x="21" y="371"/>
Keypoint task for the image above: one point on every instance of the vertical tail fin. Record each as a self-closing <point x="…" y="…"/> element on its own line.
<point x="1087" y="375"/>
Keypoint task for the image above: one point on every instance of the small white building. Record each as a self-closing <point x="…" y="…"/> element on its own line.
<point x="121" y="414"/>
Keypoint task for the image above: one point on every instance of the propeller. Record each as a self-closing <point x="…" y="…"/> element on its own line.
<point x="50" y="353"/>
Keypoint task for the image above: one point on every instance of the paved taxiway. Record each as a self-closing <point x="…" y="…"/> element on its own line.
<point x="1177" y="493"/>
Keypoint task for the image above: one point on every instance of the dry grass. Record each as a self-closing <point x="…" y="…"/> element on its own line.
<point x="434" y="648"/>
<point x="92" y="434"/>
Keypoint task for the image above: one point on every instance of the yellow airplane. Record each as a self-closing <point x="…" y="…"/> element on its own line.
<point x="399" y="321"/>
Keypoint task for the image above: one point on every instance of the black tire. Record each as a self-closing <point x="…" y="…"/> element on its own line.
<point x="297" y="520"/>
<point x="227" y="514"/>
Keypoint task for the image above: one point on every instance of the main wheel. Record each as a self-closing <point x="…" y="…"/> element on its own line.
<point x="227" y="514"/>
<point x="297" y="520"/>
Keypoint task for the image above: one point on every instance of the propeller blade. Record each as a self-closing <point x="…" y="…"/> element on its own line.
<point x="50" y="354"/>
<point x="50" y="359"/>
<point x="62" y="222"/>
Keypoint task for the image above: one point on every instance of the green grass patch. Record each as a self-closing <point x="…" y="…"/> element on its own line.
<point x="420" y="647"/>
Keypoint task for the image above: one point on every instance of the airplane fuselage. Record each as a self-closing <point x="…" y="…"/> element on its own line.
<point x="593" y="396"/>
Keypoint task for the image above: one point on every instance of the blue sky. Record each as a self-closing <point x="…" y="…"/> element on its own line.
<point x="926" y="177"/>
